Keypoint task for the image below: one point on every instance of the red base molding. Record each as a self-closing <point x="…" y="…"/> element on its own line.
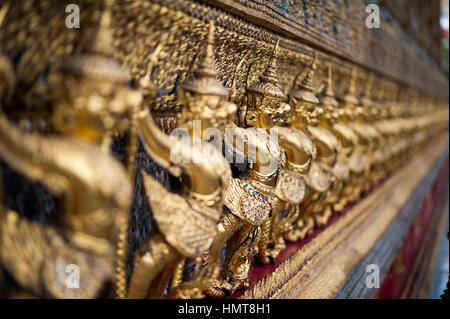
<point x="409" y="273"/>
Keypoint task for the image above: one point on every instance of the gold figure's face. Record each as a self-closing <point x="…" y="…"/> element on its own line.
<point x="371" y="114"/>
<point x="383" y="112"/>
<point x="198" y="104"/>
<point x="349" y="112"/>
<point x="91" y="108"/>
<point x="331" y="114"/>
<point x="265" y="111"/>
<point x="310" y="113"/>
<point x="226" y="115"/>
<point x="281" y="113"/>
<point x="359" y="112"/>
<point x="212" y="110"/>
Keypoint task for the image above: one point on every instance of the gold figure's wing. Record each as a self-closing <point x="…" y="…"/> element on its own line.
<point x="187" y="226"/>
<point x="358" y="161"/>
<point x="330" y="145"/>
<point x="347" y="135"/>
<point x="42" y="260"/>
<point x="362" y="131"/>
<point x="318" y="179"/>
<point x="291" y="187"/>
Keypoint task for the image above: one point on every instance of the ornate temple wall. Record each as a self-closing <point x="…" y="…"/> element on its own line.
<point x="400" y="61"/>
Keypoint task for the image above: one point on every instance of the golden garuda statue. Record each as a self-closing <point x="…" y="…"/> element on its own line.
<point x="181" y="150"/>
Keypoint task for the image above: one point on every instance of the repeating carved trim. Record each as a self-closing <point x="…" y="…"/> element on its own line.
<point x="412" y="70"/>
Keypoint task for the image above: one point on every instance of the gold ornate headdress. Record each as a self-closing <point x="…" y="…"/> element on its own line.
<point x="304" y="91"/>
<point x="267" y="84"/>
<point x="96" y="60"/>
<point x="328" y="96"/>
<point x="265" y="103"/>
<point x="367" y="100"/>
<point x="204" y="80"/>
<point x="350" y="95"/>
<point x="203" y="97"/>
<point x="95" y="99"/>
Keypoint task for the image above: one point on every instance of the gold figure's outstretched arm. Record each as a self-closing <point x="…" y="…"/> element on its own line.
<point x="193" y="214"/>
<point x="202" y="171"/>
<point x="187" y="157"/>
<point x="94" y="202"/>
<point x="21" y="151"/>
<point x="310" y="119"/>
<point x="262" y="160"/>
<point x="291" y="188"/>
<point x="186" y="229"/>
<point x="73" y="168"/>
<point x="300" y="150"/>
<point x="187" y="222"/>
<point x="156" y="143"/>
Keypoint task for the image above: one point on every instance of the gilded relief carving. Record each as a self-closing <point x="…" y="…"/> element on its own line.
<point x="260" y="135"/>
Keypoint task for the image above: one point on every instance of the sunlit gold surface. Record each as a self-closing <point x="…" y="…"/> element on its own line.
<point x="340" y="126"/>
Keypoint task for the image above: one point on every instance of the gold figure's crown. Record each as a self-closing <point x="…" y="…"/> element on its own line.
<point x="328" y="97"/>
<point x="304" y="91"/>
<point x="371" y="110"/>
<point x="93" y="72"/>
<point x="96" y="60"/>
<point x="267" y="84"/>
<point x="204" y="80"/>
<point x="350" y="94"/>
<point x="366" y="100"/>
<point x="202" y="96"/>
